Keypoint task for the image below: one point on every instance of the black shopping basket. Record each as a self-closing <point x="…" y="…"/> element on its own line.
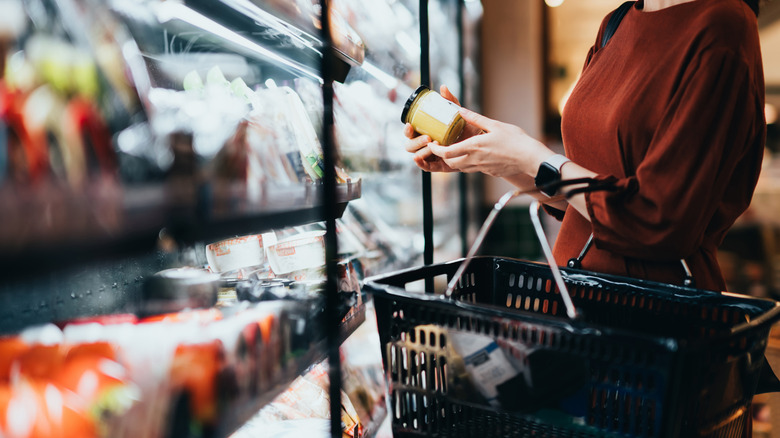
<point x="643" y="359"/>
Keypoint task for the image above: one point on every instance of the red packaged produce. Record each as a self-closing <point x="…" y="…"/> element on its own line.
<point x="103" y="389"/>
<point x="10" y="350"/>
<point x="36" y="409"/>
<point x="40" y="361"/>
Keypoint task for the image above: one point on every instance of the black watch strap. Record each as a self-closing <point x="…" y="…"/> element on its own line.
<point x="550" y="172"/>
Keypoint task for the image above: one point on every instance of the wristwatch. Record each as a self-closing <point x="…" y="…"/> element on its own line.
<point x="550" y="172"/>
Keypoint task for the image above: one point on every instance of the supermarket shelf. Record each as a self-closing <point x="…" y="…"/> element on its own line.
<point x="229" y="26"/>
<point x="228" y="348"/>
<point x="237" y="415"/>
<point x="54" y="229"/>
<point x="290" y="40"/>
<point x="230" y="214"/>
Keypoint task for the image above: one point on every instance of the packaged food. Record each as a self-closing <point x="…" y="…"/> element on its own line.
<point x="36" y="408"/>
<point x="485" y="363"/>
<point x="177" y="289"/>
<point x="103" y="388"/>
<point x="298" y="253"/>
<point x="232" y="254"/>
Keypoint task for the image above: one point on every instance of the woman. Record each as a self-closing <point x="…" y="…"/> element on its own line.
<point x="671" y="111"/>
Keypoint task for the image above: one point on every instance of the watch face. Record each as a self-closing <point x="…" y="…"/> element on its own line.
<point x="547" y="174"/>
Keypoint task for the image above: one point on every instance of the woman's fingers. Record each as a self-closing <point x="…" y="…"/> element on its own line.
<point x="422" y="164"/>
<point x="409" y="131"/>
<point x="417" y="143"/>
<point x="447" y="94"/>
<point x="478" y="120"/>
<point x="452" y="151"/>
<point x="423" y="153"/>
<point x="452" y="157"/>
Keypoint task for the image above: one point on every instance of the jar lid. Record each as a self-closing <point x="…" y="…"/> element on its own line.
<point x="410" y="101"/>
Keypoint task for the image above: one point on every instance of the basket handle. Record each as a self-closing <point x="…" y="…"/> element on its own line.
<point x="571" y="311"/>
<point x="576" y="263"/>
<point x="590" y="185"/>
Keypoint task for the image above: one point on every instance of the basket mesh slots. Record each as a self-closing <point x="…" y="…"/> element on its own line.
<point x="644" y="360"/>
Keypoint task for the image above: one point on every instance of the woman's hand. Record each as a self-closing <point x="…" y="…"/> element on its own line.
<point x="502" y="150"/>
<point x="418" y="144"/>
<point x="423" y="157"/>
<point x="470" y="130"/>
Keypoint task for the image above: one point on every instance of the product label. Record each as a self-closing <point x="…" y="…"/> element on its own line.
<point x="485" y="363"/>
<point x="305" y="253"/>
<point x="440" y="108"/>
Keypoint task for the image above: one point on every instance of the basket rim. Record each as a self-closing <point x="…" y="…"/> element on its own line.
<point x="769" y="315"/>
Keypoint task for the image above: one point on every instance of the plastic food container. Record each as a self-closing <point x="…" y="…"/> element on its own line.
<point x="231" y="254"/>
<point x="177" y="289"/>
<point x="297" y="253"/>
<point x="431" y="114"/>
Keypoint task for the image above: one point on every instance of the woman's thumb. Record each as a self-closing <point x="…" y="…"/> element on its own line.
<point x="477" y="120"/>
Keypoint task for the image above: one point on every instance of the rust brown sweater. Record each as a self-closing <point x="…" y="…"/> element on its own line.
<point x="672" y="108"/>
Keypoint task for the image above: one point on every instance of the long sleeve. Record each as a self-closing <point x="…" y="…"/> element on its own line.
<point x="702" y="151"/>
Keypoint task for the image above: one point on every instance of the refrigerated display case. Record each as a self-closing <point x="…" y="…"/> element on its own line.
<point x="165" y="209"/>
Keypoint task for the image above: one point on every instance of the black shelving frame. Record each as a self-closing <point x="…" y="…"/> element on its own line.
<point x="332" y="320"/>
<point x="463" y="179"/>
<point x="427" y="187"/>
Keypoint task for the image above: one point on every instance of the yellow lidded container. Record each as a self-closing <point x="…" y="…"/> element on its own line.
<point x="431" y="114"/>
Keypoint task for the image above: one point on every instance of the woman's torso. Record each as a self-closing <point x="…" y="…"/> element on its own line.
<point x="624" y="98"/>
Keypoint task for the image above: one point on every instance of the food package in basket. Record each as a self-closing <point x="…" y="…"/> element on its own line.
<point x="475" y="366"/>
<point x="503" y="374"/>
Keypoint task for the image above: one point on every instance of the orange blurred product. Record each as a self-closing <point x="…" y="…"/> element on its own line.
<point x="38" y="409"/>
<point x="27" y="151"/>
<point x="5" y="398"/>
<point x="101" y="385"/>
<point x="197" y="370"/>
<point x="99" y="349"/>
<point x="10" y="349"/>
<point x="118" y="318"/>
<point x="40" y="361"/>
<point x="273" y="354"/>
